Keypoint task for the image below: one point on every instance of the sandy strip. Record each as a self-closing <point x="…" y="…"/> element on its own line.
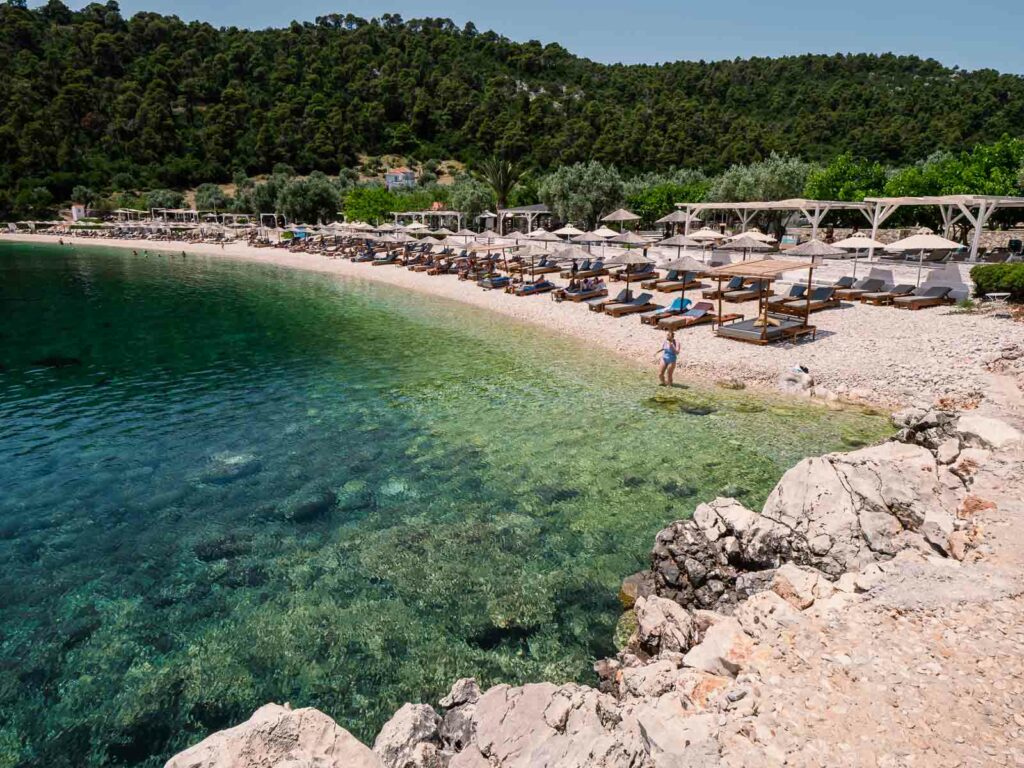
<point x="876" y="355"/>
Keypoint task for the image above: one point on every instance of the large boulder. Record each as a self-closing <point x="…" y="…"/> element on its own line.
<point x="279" y="737"/>
<point x="844" y="510"/>
<point x="662" y="625"/>
<point x="725" y="650"/>
<point x="409" y="738"/>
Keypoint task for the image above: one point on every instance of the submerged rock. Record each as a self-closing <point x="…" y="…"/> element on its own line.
<point x="57" y="361"/>
<point x="227" y="468"/>
<point x="278" y="736"/>
<point x="310" y="506"/>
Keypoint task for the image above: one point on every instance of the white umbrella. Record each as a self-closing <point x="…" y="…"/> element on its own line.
<point x="568" y="231"/>
<point x="858" y="241"/>
<point x="754" y="235"/>
<point x="923" y="241"/>
<point x="706" y="233"/>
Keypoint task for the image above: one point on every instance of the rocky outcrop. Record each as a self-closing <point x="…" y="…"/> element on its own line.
<point x="278" y="736"/>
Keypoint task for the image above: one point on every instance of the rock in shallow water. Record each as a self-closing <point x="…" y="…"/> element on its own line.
<point x="227" y="468"/>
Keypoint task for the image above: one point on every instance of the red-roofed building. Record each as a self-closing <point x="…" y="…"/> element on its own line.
<point x="399" y="178"/>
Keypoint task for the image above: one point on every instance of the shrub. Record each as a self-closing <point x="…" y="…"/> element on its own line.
<point x="999" y="278"/>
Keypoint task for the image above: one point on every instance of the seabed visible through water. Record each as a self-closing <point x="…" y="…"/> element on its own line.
<point x="226" y="484"/>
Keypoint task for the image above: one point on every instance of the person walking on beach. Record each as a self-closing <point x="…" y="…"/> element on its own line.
<point x="669" y="354"/>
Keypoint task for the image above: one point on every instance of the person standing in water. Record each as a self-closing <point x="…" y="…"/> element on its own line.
<point x="668" y="355"/>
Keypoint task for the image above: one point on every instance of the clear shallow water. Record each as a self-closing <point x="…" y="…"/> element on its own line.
<point x="228" y="484"/>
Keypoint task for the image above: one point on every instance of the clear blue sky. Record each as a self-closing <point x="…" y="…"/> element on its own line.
<point x="967" y="33"/>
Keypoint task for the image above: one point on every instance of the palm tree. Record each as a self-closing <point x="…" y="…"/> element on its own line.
<point x="501" y="176"/>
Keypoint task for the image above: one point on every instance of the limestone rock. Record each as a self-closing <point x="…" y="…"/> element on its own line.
<point x="410" y="726"/>
<point x="724" y="650"/>
<point x="948" y="450"/>
<point x="795" y="382"/>
<point x="636" y="586"/>
<point x="662" y="625"/>
<point x="278" y="736"/>
<point x="464" y="691"/>
<point x="984" y="432"/>
<point x="766" y="614"/>
<point x="800" y="587"/>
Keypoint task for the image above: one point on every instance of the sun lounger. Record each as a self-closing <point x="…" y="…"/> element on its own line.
<point x="751" y="292"/>
<point x="597" y="269"/>
<point x="687" y="281"/>
<point x="531" y="289"/>
<point x="672" y="276"/>
<point x="646" y="270"/>
<point x="866" y="285"/>
<point x="391" y="258"/>
<point x="795" y="292"/>
<point x="677" y="307"/>
<point x="820" y="298"/>
<point x="600" y="304"/>
<point x="702" y="312"/>
<point x="887" y="297"/>
<point x="567" y="273"/>
<point x="641" y="303"/>
<point x="765" y="330"/>
<point x="923" y="297"/>
<point x="492" y="283"/>
<point x="733" y="285"/>
<point x="844" y="282"/>
<point x="542" y="267"/>
<point x="584" y="295"/>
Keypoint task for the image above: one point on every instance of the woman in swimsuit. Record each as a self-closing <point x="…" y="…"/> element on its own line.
<point x="669" y="353"/>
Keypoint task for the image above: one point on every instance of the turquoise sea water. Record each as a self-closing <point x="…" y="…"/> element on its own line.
<point x="226" y="484"/>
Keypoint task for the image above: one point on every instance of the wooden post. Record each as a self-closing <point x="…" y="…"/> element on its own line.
<point x="807" y="305"/>
<point x="719" y="299"/>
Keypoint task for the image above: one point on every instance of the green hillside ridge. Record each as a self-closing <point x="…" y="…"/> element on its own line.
<point x="153" y="102"/>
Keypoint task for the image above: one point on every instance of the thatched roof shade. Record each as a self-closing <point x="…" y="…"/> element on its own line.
<point x="759" y="269"/>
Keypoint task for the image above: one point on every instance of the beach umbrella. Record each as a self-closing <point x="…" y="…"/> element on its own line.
<point x="386" y="227"/>
<point x="466" y="233"/>
<point x="857" y="242"/>
<point x="442" y="232"/>
<point x="684" y="263"/>
<point x="815" y="248"/>
<point x="923" y="241"/>
<point x="745" y="244"/>
<point x="705" y="234"/>
<point x="676" y="217"/>
<point x="679" y="242"/>
<point x="604" y="232"/>
<point x="416" y="226"/>
<point x="587" y="237"/>
<point x="532" y="252"/>
<point x="571" y="253"/>
<point x="569" y="231"/>
<point x="628" y="238"/>
<point x="621" y="216"/>
<point x="629" y="258"/>
<point x="754" y="235"/>
<point x="488" y="235"/>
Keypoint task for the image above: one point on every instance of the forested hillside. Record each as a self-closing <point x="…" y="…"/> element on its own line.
<point x="93" y="98"/>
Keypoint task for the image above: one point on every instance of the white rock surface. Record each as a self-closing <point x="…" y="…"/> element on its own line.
<point x="278" y="737"/>
<point x="985" y="432"/>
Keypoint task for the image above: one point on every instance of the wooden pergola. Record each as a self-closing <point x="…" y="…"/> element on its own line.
<point x="975" y="209"/>
<point x="814" y="210"/>
<point x="427" y="217"/>
<point x="766" y="328"/>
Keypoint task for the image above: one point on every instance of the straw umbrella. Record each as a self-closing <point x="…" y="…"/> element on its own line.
<point x="815" y="248"/>
<point x="679" y="242"/>
<point x="629" y="239"/>
<point x="857" y="242"/>
<point x="745" y="244"/>
<point x="923" y="241"/>
<point x="629" y="258"/>
<point x="685" y="263"/>
<point x="621" y="216"/>
<point x="605" y="232"/>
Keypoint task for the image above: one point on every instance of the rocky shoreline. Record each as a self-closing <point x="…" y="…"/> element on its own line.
<point x="732" y="594"/>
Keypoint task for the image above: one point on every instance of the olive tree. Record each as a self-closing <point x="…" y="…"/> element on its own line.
<point x="580" y="193"/>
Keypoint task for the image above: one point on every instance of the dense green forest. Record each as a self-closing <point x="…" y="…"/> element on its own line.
<point x="152" y="102"/>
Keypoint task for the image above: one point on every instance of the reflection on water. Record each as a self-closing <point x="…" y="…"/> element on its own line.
<point x="230" y="484"/>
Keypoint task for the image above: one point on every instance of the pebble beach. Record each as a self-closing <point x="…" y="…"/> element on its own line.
<point x="878" y="356"/>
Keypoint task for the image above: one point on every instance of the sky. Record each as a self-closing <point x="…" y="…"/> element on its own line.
<point x="971" y="34"/>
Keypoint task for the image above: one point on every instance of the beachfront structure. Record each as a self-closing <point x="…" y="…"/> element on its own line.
<point x="434" y="219"/>
<point x="975" y="209"/>
<point x="814" y="210"/>
<point x="400" y="178"/>
<point x="528" y="214"/>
